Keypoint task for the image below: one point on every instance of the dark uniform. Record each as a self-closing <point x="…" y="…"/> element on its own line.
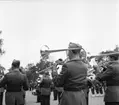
<point x="73" y="79"/>
<point x="111" y="76"/>
<point x="14" y="81"/>
<point x="42" y="65"/>
<point x="59" y="93"/>
<point x="45" y="90"/>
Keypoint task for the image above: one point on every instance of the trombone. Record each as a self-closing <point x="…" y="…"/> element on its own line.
<point x="45" y="54"/>
<point x="58" y="50"/>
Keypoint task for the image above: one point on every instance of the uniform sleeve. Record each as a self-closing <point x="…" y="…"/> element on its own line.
<point x="3" y="81"/>
<point x="25" y="83"/>
<point x="59" y="80"/>
<point x="108" y="73"/>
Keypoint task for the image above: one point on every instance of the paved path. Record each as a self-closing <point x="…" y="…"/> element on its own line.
<point x="31" y="99"/>
<point x="93" y="100"/>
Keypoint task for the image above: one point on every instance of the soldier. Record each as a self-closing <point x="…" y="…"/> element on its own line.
<point x="43" y="65"/>
<point x="14" y="81"/>
<point x="73" y="78"/>
<point x="111" y="77"/>
<point x="46" y="89"/>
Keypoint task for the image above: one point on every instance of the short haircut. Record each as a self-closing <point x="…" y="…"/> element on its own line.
<point x="76" y="51"/>
<point x="16" y="63"/>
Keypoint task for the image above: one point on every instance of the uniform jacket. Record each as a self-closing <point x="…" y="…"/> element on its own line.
<point x="73" y="76"/>
<point x="46" y="86"/>
<point x="15" y="81"/>
<point x="73" y="79"/>
<point x="111" y="76"/>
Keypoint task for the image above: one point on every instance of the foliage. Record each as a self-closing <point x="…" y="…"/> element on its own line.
<point x="31" y="73"/>
<point x="1" y="44"/>
<point x="1" y="69"/>
<point x="33" y="70"/>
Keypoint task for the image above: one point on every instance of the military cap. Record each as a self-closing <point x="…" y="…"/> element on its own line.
<point x="74" y="45"/>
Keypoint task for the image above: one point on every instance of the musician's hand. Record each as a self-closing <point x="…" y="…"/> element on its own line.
<point x="97" y="83"/>
<point x="90" y="83"/>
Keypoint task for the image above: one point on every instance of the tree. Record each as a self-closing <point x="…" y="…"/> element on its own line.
<point x="1" y="44"/>
<point x="2" y="69"/>
<point x="1" y="53"/>
<point x="116" y="48"/>
<point x="31" y="72"/>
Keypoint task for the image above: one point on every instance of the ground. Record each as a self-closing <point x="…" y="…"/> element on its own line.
<point x="93" y="100"/>
<point x="31" y="99"/>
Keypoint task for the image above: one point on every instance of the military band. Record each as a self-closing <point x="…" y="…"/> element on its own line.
<point x="70" y="80"/>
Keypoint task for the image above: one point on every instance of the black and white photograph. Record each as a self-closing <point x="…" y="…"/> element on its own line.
<point x="59" y="52"/>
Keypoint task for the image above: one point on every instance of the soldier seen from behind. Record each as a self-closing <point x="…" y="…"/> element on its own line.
<point x="14" y="81"/>
<point x="73" y="78"/>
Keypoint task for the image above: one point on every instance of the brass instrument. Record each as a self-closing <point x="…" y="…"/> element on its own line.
<point x="46" y="70"/>
<point x="102" y="55"/>
<point x="46" y="52"/>
<point x="44" y="55"/>
<point x="58" y="50"/>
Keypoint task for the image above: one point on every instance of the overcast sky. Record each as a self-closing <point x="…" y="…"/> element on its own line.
<point x="28" y="24"/>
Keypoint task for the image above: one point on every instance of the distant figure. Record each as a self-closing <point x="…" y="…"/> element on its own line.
<point x="14" y="81"/>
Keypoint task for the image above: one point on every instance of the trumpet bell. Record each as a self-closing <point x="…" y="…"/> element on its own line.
<point x="43" y="52"/>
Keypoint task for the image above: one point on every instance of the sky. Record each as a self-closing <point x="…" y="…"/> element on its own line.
<point x="27" y="25"/>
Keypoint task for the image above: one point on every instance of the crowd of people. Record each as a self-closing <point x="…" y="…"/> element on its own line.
<point x="69" y="80"/>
